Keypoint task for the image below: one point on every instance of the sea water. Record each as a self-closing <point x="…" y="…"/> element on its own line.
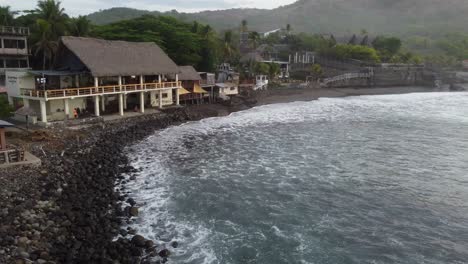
<point x="368" y="179"/>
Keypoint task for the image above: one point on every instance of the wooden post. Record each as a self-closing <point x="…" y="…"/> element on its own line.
<point x="142" y="81"/>
<point x="77" y="81"/>
<point x="2" y="139"/>
<point x="177" y="96"/>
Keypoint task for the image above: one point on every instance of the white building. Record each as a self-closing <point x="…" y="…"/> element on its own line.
<point x="92" y="75"/>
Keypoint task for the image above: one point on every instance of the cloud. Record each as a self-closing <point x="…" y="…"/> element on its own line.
<point x="83" y="7"/>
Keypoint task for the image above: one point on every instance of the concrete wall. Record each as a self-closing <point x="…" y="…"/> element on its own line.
<point x="56" y="108"/>
<point x="229" y="91"/>
<point x="16" y="80"/>
<point x="167" y="98"/>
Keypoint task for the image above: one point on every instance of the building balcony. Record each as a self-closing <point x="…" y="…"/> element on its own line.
<point x="17" y="31"/>
<point x="71" y="93"/>
<point x="13" y="51"/>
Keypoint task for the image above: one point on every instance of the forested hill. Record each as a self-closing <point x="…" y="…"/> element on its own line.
<point x="401" y="17"/>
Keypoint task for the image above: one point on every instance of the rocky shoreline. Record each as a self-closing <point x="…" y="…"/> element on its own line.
<point x="69" y="211"/>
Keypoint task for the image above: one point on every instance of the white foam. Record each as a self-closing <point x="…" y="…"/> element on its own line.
<point x="152" y="188"/>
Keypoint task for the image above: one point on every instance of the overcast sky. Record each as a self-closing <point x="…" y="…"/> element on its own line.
<point x="83" y="7"/>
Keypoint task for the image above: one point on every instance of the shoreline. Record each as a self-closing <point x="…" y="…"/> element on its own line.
<point x="68" y="210"/>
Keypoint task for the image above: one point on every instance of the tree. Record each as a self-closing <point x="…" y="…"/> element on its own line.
<point x="388" y="45"/>
<point x="262" y="68"/>
<point x="244" y="25"/>
<point x="228" y="49"/>
<point x="317" y="71"/>
<point x="273" y="70"/>
<point x="5" y="108"/>
<point x="45" y="45"/>
<point x="254" y="38"/>
<point x="288" y="29"/>
<point x="7" y="16"/>
<point x="51" y="12"/>
<point x="80" y="26"/>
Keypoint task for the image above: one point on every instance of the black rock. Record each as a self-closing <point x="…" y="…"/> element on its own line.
<point x="164" y="253"/>
<point x="138" y="241"/>
<point x="174" y="244"/>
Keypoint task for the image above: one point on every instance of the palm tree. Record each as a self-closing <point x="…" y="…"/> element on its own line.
<point x="45" y="45"/>
<point x="54" y="14"/>
<point x="227" y="47"/>
<point x="80" y="26"/>
<point x="244" y="25"/>
<point x="288" y="29"/>
<point x="7" y="16"/>
<point x="254" y="38"/>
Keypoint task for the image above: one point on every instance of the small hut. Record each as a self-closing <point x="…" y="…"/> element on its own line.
<point x="191" y="79"/>
<point x="3" y="125"/>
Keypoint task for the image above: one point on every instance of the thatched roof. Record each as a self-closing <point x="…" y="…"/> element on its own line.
<point x="113" y="58"/>
<point x="188" y="73"/>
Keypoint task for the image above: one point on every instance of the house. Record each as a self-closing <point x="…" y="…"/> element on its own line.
<point x="208" y="83"/>
<point x="8" y="154"/>
<point x="191" y="83"/>
<point x="268" y="54"/>
<point x="93" y="76"/>
<point x="227" y="83"/>
<point x="14" y="50"/>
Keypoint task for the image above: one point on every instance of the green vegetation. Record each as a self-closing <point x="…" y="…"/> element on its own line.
<point x="5" y="109"/>
<point x="186" y="44"/>
<point x="349" y="51"/>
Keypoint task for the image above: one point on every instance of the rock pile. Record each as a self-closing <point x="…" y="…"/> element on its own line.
<point x="73" y="212"/>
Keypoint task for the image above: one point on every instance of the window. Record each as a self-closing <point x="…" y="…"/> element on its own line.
<point x="15" y="63"/>
<point x="14" y="43"/>
<point x="164" y="95"/>
<point x="233" y="88"/>
<point x="10" y="63"/>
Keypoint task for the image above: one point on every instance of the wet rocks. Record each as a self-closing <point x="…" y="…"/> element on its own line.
<point x="138" y="241"/>
<point x="68" y="211"/>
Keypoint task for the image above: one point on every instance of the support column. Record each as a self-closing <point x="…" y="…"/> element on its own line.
<point x="121" y="104"/>
<point x="77" y="81"/>
<point x="159" y="78"/>
<point x="43" y="111"/>
<point x="177" y="96"/>
<point x="96" y="82"/>
<point x="96" y="105"/>
<point x="142" y="81"/>
<point x="160" y="99"/>
<point x="125" y="101"/>
<point x="66" y="107"/>
<point x="103" y="103"/>
<point x="142" y="102"/>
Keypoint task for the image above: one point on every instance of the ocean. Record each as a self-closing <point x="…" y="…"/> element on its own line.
<point x="366" y="179"/>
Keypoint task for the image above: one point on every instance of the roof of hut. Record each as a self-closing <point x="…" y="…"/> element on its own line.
<point x="188" y="73"/>
<point x="113" y="58"/>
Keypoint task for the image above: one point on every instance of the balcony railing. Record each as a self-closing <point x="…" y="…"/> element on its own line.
<point x="13" y="51"/>
<point x="100" y="90"/>
<point x="22" y="31"/>
<point x="207" y="82"/>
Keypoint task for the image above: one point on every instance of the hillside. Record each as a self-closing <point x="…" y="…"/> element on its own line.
<point x="401" y="17"/>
